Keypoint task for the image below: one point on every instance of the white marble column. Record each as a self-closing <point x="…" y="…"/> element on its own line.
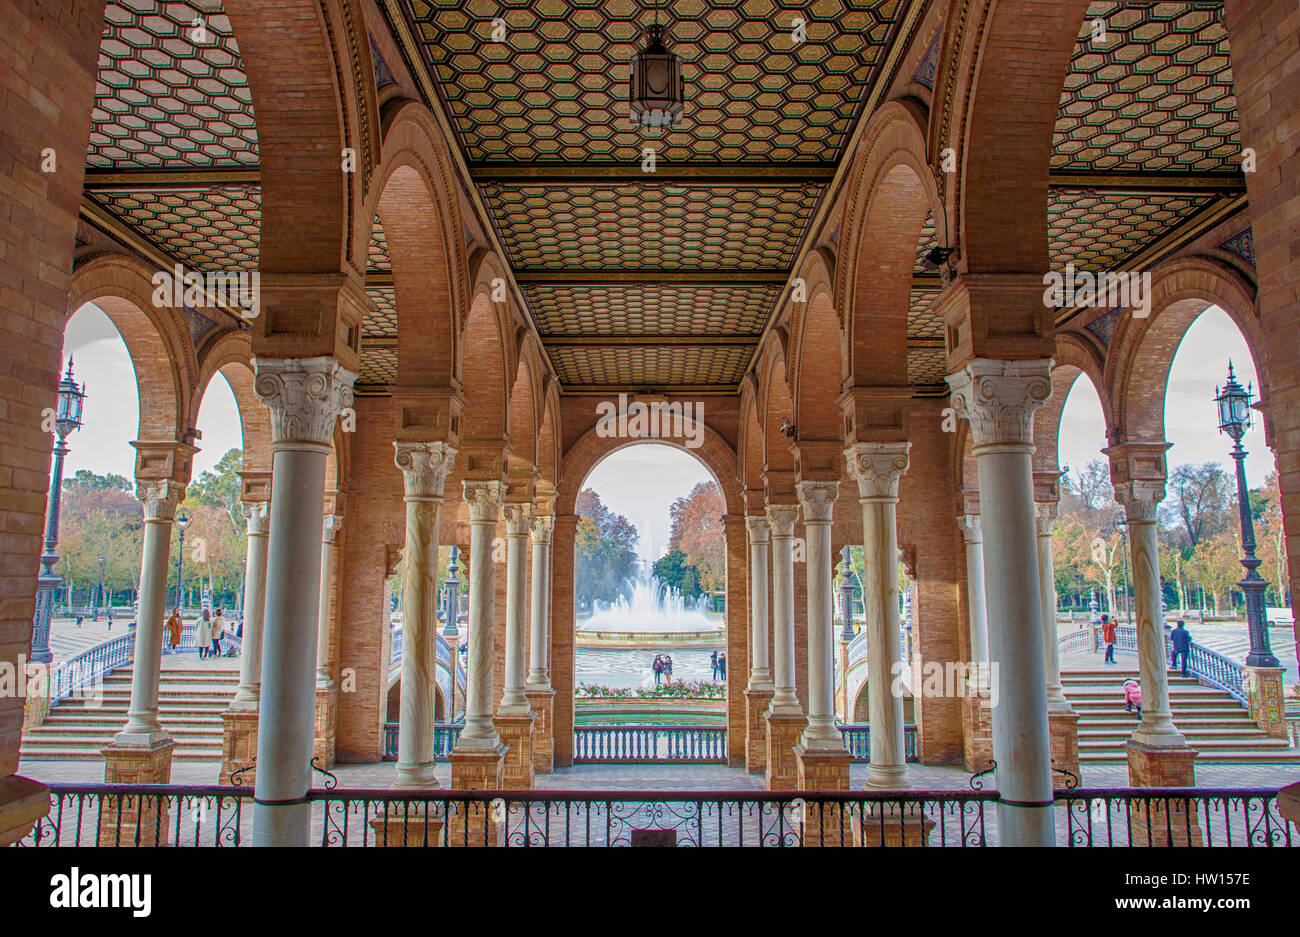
<point x="425" y="467"/>
<point x="304" y="396"/>
<point x="781" y="518"/>
<point x="518" y="519"/>
<point x="329" y="533"/>
<point x="142" y="729"/>
<point x="999" y="399"/>
<point x="480" y="733"/>
<point x="258" y="515"/>
<point x="1141" y="500"/>
<point x="760" y="670"/>
<point x="539" y="675"/>
<point x="973" y="534"/>
<point x="817" y="499"/>
<point x="1044" y="520"/>
<point x="877" y="468"/>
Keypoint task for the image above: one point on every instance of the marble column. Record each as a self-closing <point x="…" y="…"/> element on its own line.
<point x="760" y="670"/>
<point x="999" y="399"/>
<point x="817" y="499"/>
<point x="877" y="468"/>
<point x="1044" y="520"/>
<point x="425" y="467"/>
<point x="239" y="721"/>
<point x="480" y="734"/>
<point x="305" y="396"/>
<point x="330" y="525"/>
<point x="142" y="729"/>
<point x="537" y="687"/>
<point x="781" y="519"/>
<point x="1141" y="501"/>
<point x="973" y="535"/>
<point x="518" y="519"/>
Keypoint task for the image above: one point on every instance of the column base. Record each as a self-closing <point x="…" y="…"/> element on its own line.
<point x="472" y="824"/>
<point x="823" y="824"/>
<point x="415" y="829"/>
<point x="1159" y="823"/>
<point x="327" y="699"/>
<point x="977" y="735"/>
<point x="756" y="702"/>
<point x="22" y="802"/>
<point x="542" y="703"/>
<point x="783" y="733"/>
<point x="517" y="736"/>
<point x="1264" y="691"/>
<point x="238" y="746"/>
<point x="1063" y="728"/>
<point x="887" y="824"/>
<point x="132" y="820"/>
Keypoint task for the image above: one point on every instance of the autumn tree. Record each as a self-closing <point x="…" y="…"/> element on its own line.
<point x="1198" y="499"/>
<point x="606" y="551"/>
<point x="698" y="533"/>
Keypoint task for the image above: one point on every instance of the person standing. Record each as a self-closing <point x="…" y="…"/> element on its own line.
<point x="1108" y="635"/>
<point x="174" y="629"/>
<point x="218" y="632"/>
<point x="722" y="665"/>
<point x="203" y="637"/>
<point x="668" y="667"/>
<point x="713" y="659"/>
<point x="1181" y="639"/>
<point x="658" y="668"/>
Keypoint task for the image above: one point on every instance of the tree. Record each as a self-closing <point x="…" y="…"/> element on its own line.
<point x="606" y="551"/>
<point x="1199" y="499"/>
<point x="1272" y="540"/>
<point x="698" y="533"/>
<point x="672" y="570"/>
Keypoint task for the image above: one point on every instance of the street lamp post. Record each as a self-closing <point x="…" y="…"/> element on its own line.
<point x="182" y="521"/>
<point x="847" y="589"/>
<point x="1234" y="419"/>
<point x="99" y="589"/>
<point x="67" y="418"/>
<point x="452" y="600"/>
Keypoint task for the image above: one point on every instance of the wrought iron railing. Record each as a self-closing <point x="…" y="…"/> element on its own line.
<point x="1206" y="665"/>
<point x="445" y="735"/>
<point x="112" y="815"/>
<point x="649" y="744"/>
<point x="90" y="666"/>
<point x="857" y="739"/>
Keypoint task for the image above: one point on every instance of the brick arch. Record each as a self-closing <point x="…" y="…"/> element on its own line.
<point x="815" y="334"/>
<point x="312" y="84"/>
<point x="590" y="450"/>
<point x="778" y="403"/>
<point x="891" y="190"/>
<point x="1143" y="350"/>
<point x="156" y="338"/>
<point x="750" y="442"/>
<point x="996" y="99"/>
<point x="231" y="356"/>
<point x="525" y="403"/>
<point x="414" y="197"/>
<point x="549" y="435"/>
<point x="487" y="355"/>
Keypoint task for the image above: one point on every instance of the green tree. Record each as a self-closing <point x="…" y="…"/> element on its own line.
<point x="606" y="551"/>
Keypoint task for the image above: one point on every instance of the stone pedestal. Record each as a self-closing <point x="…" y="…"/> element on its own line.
<point x="823" y="771"/>
<point x="977" y="737"/>
<point x="238" y="745"/>
<point x="475" y="770"/>
<point x="517" y="736"/>
<point x="542" y="703"/>
<point x="783" y="734"/>
<point x="892" y="825"/>
<point x="1063" y="727"/>
<point x="1159" y="823"/>
<point x="420" y="825"/>
<point x="131" y="820"/>
<point x="327" y="700"/>
<point x="756" y="703"/>
<point x="1264" y="692"/>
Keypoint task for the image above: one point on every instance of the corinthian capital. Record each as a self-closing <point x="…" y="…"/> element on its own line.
<point x="759" y="529"/>
<point x="258" y="516"/>
<point x="1045" y="514"/>
<point x="518" y="516"/>
<point x="484" y="499"/>
<point x="1141" y="499"/>
<point x="159" y="498"/>
<point x="542" y="528"/>
<point x="781" y="517"/>
<point x="877" y="467"/>
<point x="305" y="396"/>
<point x="425" y="467"/>
<point x="818" y="501"/>
<point x="999" y="398"/>
<point x="333" y="523"/>
<point x="972" y="531"/>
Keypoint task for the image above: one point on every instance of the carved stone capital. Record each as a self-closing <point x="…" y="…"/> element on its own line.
<point x="781" y="517"/>
<point x="305" y="396"/>
<point x="1140" y="499"/>
<point x="543" y="527"/>
<point x="425" y="467"/>
<point x="330" y="528"/>
<point x="818" y="501"/>
<point x="518" y="517"/>
<point x="972" y="531"/>
<point x="877" y="467"/>
<point x="1045" y="514"/>
<point x="484" y="499"/>
<point x="258" y="516"/>
<point x="999" y="399"/>
<point x="759" y="529"/>
<point x="159" y="498"/>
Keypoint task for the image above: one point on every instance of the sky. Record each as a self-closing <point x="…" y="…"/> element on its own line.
<point x="1191" y="417"/>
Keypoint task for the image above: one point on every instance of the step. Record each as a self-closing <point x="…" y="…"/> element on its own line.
<point x="75" y="754"/>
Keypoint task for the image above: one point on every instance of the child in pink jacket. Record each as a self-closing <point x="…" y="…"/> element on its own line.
<point x="1132" y="696"/>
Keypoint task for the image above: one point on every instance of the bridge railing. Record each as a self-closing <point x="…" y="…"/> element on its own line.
<point x="90" y="666"/>
<point x="1206" y="665"/>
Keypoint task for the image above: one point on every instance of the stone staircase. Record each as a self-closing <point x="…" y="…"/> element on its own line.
<point x="1215" y="724"/>
<point x="190" y="703"/>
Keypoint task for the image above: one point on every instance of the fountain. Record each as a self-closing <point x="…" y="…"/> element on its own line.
<point x="654" y="614"/>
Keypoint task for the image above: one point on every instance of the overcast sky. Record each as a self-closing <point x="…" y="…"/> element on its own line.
<point x="642" y="481"/>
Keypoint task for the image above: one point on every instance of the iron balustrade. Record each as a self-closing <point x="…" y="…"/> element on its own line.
<point x="857" y="739"/>
<point x="445" y="736"/>
<point x="1206" y="665"/>
<point x="649" y="744"/>
<point x="106" y="815"/>
<point x="90" y="666"/>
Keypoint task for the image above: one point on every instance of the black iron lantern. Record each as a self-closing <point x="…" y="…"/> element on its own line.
<point x="1234" y="407"/>
<point x="71" y="398"/>
<point x="655" y="91"/>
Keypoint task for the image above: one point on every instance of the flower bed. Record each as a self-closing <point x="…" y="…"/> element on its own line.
<point x="694" y="689"/>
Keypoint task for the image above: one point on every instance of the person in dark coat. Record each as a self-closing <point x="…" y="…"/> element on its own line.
<point x="1181" y="639"/>
<point x="713" y="659"/>
<point x="722" y="665"/>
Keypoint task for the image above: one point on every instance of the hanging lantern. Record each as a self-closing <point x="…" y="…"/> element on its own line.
<point x="655" y="94"/>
